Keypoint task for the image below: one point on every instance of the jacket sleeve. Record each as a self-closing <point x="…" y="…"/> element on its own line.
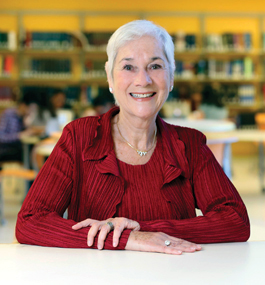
<point x="40" y="220"/>
<point x="225" y="217"/>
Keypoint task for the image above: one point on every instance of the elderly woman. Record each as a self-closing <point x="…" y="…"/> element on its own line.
<point x="129" y="180"/>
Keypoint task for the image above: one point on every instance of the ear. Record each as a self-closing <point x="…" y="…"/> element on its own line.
<point x="109" y="77"/>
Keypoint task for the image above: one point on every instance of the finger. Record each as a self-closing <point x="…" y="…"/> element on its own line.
<point x="118" y="229"/>
<point x="171" y="250"/>
<point x="93" y="232"/>
<point x="185" y="246"/>
<point x="105" y="229"/>
<point x="121" y="224"/>
<point x="162" y="249"/>
<point x="83" y="224"/>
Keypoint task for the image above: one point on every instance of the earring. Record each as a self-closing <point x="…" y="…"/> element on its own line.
<point x="171" y="88"/>
<point x="110" y="90"/>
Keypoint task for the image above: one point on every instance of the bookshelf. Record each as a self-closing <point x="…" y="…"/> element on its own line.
<point x="66" y="48"/>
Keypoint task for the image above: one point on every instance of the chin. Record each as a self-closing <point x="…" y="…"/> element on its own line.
<point x="146" y="113"/>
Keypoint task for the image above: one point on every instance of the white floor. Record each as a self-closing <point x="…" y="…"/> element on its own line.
<point x="245" y="178"/>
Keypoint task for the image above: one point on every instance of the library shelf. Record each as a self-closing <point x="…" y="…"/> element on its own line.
<point x="244" y="107"/>
<point x="197" y="79"/>
<point x="87" y="59"/>
<point x="49" y="81"/>
<point x="49" y="52"/>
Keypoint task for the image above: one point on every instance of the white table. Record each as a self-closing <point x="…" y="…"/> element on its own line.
<point x="203" y="125"/>
<point x="210" y="128"/>
<point x="231" y="263"/>
<point x="250" y="135"/>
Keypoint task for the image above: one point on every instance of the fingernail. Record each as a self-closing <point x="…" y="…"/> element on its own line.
<point x="114" y="244"/>
<point x="89" y="243"/>
<point x="180" y="252"/>
<point x="99" y="247"/>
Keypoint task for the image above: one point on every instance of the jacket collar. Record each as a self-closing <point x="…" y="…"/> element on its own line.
<point x="102" y="148"/>
<point x="176" y="162"/>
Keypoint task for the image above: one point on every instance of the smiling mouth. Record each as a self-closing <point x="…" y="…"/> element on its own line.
<point x="146" y="95"/>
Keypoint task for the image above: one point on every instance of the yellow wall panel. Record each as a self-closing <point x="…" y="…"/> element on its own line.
<point x="8" y="22"/>
<point x="175" y="24"/>
<point x="106" y="23"/>
<point x="147" y="5"/>
<point x="221" y="25"/>
<point x="51" y="23"/>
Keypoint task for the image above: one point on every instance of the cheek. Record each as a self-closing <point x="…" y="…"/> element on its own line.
<point x="121" y="82"/>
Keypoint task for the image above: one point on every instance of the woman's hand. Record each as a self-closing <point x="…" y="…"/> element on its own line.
<point x="155" y="242"/>
<point x="119" y="224"/>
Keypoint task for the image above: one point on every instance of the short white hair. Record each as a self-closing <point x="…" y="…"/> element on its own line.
<point x="135" y="30"/>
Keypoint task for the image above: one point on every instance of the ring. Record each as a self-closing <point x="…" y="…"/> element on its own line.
<point x="111" y="225"/>
<point x="167" y="242"/>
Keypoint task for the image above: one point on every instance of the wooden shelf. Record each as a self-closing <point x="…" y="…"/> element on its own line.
<point x="196" y="79"/>
<point x="78" y="56"/>
<point x="6" y="104"/>
<point x="101" y="81"/>
<point x="7" y="81"/>
<point x="49" y="52"/>
<point x="8" y="52"/>
<point x="242" y="107"/>
<point x="96" y="55"/>
<point x="49" y="81"/>
<point x="230" y="53"/>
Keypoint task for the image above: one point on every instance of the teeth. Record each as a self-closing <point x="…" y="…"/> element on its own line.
<point x="142" y="95"/>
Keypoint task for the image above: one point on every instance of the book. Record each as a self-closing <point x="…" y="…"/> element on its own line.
<point x="1" y="65"/>
<point x="3" y="40"/>
<point x="12" y="40"/>
<point x="8" y="65"/>
<point x="48" y="40"/>
<point x="97" y="40"/>
<point x="46" y="68"/>
<point x="248" y="67"/>
<point x="246" y="94"/>
<point x="229" y="42"/>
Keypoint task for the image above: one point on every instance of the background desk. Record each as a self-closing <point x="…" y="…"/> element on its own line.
<point x="220" y="145"/>
<point x="28" y="141"/>
<point x="204" y="125"/>
<point x="232" y="263"/>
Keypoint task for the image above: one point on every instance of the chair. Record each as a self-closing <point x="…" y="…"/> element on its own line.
<point x="25" y="174"/>
<point x="220" y="145"/>
<point x="260" y="121"/>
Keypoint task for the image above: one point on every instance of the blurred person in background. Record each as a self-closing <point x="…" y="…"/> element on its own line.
<point x="103" y="102"/>
<point x="12" y="128"/>
<point x="211" y="105"/>
<point x="44" y="115"/>
<point x="206" y="103"/>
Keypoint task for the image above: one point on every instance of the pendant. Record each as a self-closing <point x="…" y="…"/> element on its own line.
<point x="141" y="153"/>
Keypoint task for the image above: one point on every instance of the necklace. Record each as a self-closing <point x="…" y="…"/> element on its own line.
<point x="140" y="152"/>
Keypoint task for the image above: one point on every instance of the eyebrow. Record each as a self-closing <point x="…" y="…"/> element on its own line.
<point x="130" y="59"/>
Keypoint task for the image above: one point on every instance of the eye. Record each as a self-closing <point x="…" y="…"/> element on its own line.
<point x="155" y="66"/>
<point x="128" y="67"/>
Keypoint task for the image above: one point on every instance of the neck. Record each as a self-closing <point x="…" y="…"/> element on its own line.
<point x="137" y="131"/>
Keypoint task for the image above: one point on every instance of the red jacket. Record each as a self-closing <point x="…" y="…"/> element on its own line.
<point x="82" y="175"/>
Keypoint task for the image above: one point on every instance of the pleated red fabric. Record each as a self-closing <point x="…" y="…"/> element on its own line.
<point x="84" y="176"/>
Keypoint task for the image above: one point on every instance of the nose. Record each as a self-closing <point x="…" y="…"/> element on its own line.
<point x="142" y="78"/>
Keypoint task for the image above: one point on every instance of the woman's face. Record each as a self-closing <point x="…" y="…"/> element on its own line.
<point x="141" y="77"/>
<point x="58" y="100"/>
